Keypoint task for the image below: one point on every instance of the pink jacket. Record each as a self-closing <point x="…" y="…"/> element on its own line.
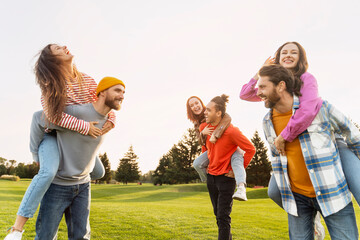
<point x="310" y="104"/>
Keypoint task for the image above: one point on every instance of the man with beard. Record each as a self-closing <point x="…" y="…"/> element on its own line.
<point x="309" y="173"/>
<point x="69" y="192"/>
<point x="221" y="187"/>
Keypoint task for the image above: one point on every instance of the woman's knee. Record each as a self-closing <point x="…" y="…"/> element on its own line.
<point x="47" y="174"/>
<point x="197" y="163"/>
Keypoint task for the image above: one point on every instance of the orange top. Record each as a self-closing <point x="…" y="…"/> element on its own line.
<point x="220" y="153"/>
<point x="298" y="173"/>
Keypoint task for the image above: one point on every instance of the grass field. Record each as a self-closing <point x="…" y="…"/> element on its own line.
<point x="159" y="212"/>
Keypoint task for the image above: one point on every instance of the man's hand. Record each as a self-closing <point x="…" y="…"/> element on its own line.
<point x="107" y="127"/>
<point x="230" y="174"/>
<point x="213" y="139"/>
<point x="94" y="131"/>
<point x="280" y="145"/>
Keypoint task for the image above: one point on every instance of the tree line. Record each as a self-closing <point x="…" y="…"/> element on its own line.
<point x="10" y="167"/>
<point x="175" y="166"/>
<point x="127" y="171"/>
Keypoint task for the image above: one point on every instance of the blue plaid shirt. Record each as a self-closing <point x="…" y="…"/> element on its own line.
<point x="321" y="158"/>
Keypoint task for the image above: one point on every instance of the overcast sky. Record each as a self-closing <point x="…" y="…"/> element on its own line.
<point x="166" y="51"/>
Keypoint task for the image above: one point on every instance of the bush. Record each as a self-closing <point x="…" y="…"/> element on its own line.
<point x="10" y="177"/>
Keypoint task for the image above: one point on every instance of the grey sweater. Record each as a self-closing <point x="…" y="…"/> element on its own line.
<point x="77" y="151"/>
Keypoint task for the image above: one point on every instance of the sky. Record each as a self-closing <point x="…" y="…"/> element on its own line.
<point x="166" y="51"/>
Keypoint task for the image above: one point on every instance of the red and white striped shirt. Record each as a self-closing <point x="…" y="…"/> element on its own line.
<point x="78" y="95"/>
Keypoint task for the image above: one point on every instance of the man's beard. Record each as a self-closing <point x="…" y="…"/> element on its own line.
<point x="111" y="104"/>
<point x="272" y="100"/>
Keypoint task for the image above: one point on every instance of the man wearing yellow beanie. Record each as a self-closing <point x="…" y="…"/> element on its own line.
<point x="104" y="86"/>
<point x="110" y="92"/>
<point x="108" y="82"/>
<point x="77" y="162"/>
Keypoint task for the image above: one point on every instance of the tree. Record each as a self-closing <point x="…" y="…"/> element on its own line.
<point x="105" y="161"/>
<point x="147" y="177"/>
<point x="128" y="169"/>
<point x="20" y="170"/>
<point x="23" y="171"/>
<point x="11" y="167"/>
<point x="2" y="161"/>
<point x="26" y="171"/>
<point x="176" y="165"/>
<point x="32" y="169"/>
<point x="259" y="169"/>
<point x="3" y="168"/>
<point x="159" y="174"/>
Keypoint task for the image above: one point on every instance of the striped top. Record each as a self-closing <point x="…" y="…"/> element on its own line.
<point x="321" y="159"/>
<point x="78" y="95"/>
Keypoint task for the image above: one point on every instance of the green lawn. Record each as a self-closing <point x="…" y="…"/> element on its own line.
<point x="162" y="212"/>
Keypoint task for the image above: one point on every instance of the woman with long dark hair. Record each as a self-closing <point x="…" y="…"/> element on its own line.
<point x="61" y="85"/>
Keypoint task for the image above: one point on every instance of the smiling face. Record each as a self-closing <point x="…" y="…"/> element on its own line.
<point x="195" y="106"/>
<point x="61" y="52"/>
<point x="211" y="115"/>
<point x="267" y="91"/>
<point x="114" y="96"/>
<point x="289" y="56"/>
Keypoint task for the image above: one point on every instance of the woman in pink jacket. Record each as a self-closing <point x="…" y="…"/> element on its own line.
<point x="292" y="55"/>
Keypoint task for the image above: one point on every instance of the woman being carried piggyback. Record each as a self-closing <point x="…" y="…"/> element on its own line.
<point x="195" y="112"/>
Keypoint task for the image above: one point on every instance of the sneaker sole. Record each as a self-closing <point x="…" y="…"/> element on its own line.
<point x="240" y="199"/>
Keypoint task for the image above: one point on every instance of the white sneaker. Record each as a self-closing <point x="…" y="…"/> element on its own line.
<point x="240" y="193"/>
<point x="319" y="228"/>
<point x="14" y="235"/>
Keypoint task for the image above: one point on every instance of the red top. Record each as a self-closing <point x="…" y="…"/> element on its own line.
<point x="220" y="153"/>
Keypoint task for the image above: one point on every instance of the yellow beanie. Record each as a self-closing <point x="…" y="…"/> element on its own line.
<point x="107" y="82"/>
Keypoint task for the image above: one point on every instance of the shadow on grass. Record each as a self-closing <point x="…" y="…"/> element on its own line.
<point x="148" y="193"/>
<point x="111" y="190"/>
<point x="159" y="197"/>
<point x="11" y="195"/>
<point x="136" y="193"/>
<point x="160" y="193"/>
<point x="257" y="194"/>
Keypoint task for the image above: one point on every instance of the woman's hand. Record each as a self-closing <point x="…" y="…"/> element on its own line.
<point x="280" y="145"/>
<point x="107" y="127"/>
<point x="207" y="130"/>
<point x="94" y="131"/>
<point x="268" y="61"/>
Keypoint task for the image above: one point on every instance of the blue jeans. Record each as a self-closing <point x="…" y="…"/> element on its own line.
<point x="74" y="201"/>
<point x="274" y="192"/>
<point x="341" y="225"/>
<point x="49" y="159"/>
<point x="49" y="164"/>
<point x="351" y="167"/>
<point x="237" y="164"/>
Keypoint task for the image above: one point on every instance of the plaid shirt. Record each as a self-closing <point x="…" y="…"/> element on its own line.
<point x="321" y="158"/>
